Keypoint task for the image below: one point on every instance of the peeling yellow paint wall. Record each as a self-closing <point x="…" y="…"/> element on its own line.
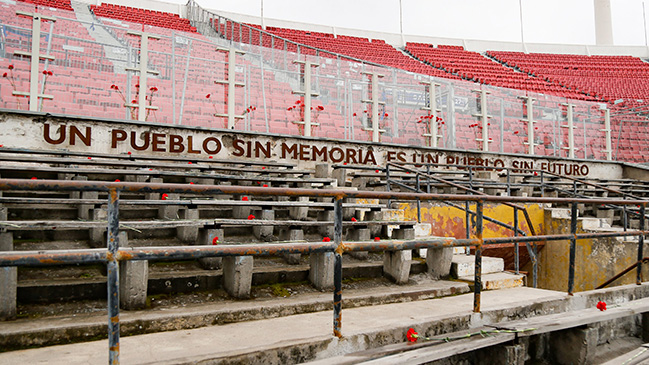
<point x="597" y="260"/>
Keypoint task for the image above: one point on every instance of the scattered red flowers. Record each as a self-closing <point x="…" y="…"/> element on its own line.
<point x="164" y="196"/>
<point x="153" y="89"/>
<point x="89" y="158"/>
<point x="215" y="240"/>
<point x="601" y="306"/>
<point x="191" y="183"/>
<point x="11" y="67"/>
<point x="117" y="180"/>
<point x="244" y="199"/>
<point x="47" y="73"/>
<point x="208" y="96"/>
<point x="326" y="239"/>
<point x="4" y="74"/>
<point x="386" y="115"/>
<point x="376" y="171"/>
<point x="251" y="217"/>
<point x="536" y="173"/>
<point x="320" y="107"/>
<point x="265" y="185"/>
<point x="377" y="239"/>
<point x="354" y="219"/>
<point x="412" y="335"/>
<point x="114" y="87"/>
<point x="33" y="178"/>
<point x="129" y="152"/>
<point x="189" y="163"/>
<point x="210" y="157"/>
<point x="263" y="167"/>
<point x="515" y="132"/>
<point x="354" y="114"/>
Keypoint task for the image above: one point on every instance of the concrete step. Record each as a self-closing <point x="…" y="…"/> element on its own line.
<point x="498" y="280"/>
<point x="464" y="265"/>
<point x="180" y="312"/>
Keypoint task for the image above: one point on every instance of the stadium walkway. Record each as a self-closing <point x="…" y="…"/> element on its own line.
<point x="291" y="338"/>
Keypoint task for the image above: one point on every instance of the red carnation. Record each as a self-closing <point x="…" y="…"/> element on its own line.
<point x="129" y="152"/>
<point x="326" y="239"/>
<point x="208" y="96"/>
<point x="189" y="162"/>
<point x="215" y="240"/>
<point x="133" y="101"/>
<point x="354" y="114"/>
<point x="320" y="107"/>
<point x="412" y="335"/>
<point x="153" y="88"/>
<point x="244" y="199"/>
<point x="265" y="185"/>
<point x="33" y="178"/>
<point x="515" y="132"/>
<point x="11" y="67"/>
<point x="377" y="239"/>
<point x="164" y="196"/>
<point x="191" y="183"/>
<point x="44" y="72"/>
<point x="4" y="74"/>
<point x="89" y="158"/>
<point x="211" y="157"/>
<point x="50" y="73"/>
<point x="386" y="115"/>
<point x="601" y="306"/>
<point x="376" y="171"/>
<point x="137" y="86"/>
<point x="251" y="217"/>
<point x="535" y="173"/>
<point x="353" y="219"/>
<point x="117" y="180"/>
<point x="263" y="167"/>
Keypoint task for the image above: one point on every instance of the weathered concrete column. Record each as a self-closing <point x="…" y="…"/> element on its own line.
<point x="205" y="238"/>
<point x="299" y="213"/>
<point x="240" y="211"/>
<point x="328" y="229"/>
<point x="97" y="236"/>
<point x="438" y="261"/>
<point x="504" y="355"/>
<point x="374" y="215"/>
<point x="264" y="233"/>
<point x="8" y="276"/>
<point x="292" y="235"/>
<point x="84" y="210"/>
<point x="340" y="175"/>
<point x="396" y="265"/>
<point x="321" y="272"/>
<point x="237" y="276"/>
<point x="133" y="280"/>
<point x="188" y="233"/>
<point x="573" y="346"/>
<point x="360" y="234"/>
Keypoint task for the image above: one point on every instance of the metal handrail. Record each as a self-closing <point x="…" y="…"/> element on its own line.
<point x="113" y="254"/>
<point x="644" y="260"/>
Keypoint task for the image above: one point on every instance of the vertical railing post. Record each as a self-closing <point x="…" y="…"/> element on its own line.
<point x="607" y="131"/>
<point x="338" y="265"/>
<point x="638" y="279"/>
<point x="418" y="200"/>
<point x="113" y="277"/>
<point x="516" y="258"/>
<point x="573" y="248"/>
<point x="477" y="282"/>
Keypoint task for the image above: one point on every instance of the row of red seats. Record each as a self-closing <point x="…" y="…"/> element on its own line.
<point x="137" y="15"/>
<point x="60" y="4"/>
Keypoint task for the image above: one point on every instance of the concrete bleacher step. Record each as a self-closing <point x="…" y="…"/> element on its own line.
<point x="464" y="265"/>
<point x="498" y="280"/>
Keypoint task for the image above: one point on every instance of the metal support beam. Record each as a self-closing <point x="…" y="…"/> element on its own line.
<point x="607" y="130"/>
<point x="477" y="282"/>
<point x="338" y="265"/>
<point x="305" y="70"/>
<point x="231" y="84"/>
<point x="529" y="104"/>
<point x="144" y="71"/>
<point x="433" y="135"/>
<point x="571" y="130"/>
<point x="638" y="279"/>
<point x="573" y="248"/>
<point x="35" y="56"/>
<point x="484" y="118"/>
<point x="113" y="277"/>
<point x="374" y="100"/>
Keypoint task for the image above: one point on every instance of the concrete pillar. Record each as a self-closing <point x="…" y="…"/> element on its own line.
<point x="406" y="233"/>
<point x="360" y="234"/>
<point x="396" y="265"/>
<point x="374" y="215"/>
<point x="326" y="216"/>
<point x="169" y="211"/>
<point x="292" y="235"/>
<point x="97" y="235"/>
<point x="237" y="275"/>
<point x="502" y="355"/>
<point x="321" y="272"/>
<point x="438" y="261"/>
<point x="153" y="196"/>
<point x="8" y="278"/>
<point x="264" y="233"/>
<point x="205" y="238"/>
<point x="573" y="346"/>
<point x="603" y="24"/>
<point x="645" y="327"/>
<point x="188" y="233"/>
<point x="341" y="176"/>
<point x="240" y="211"/>
<point x="299" y="213"/>
<point x="133" y="280"/>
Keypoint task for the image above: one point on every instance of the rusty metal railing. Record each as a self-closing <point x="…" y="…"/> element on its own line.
<point x="113" y="254"/>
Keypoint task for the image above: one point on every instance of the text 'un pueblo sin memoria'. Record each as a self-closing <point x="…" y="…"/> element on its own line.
<point x="317" y="152"/>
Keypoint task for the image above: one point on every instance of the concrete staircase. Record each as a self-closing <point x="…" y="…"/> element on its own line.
<point x="494" y="275"/>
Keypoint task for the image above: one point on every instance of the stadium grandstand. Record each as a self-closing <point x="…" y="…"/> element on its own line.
<point x="205" y="181"/>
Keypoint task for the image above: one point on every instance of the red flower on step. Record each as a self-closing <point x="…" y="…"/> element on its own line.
<point x="263" y="167"/>
<point x="244" y="199"/>
<point x="117" y="180"/>
<point x="354" y="114"/>
<point x="189" y="162"/>
<point x="354" y="219"/>
<point x="515" y="132"/>
<point x="215" y="240"/>
<point x="208" y="96"/>
<point x="536" y="173"/>
<point x="89" y="158"/>
<point x="377" y="239"/>
<point x="128" y="153"/>
<point x="601" y="306"/>
<point x="412" y="335"/>
<point x="4" y="74"/>
<point x="376" y="171"/>
<point x="211" y="157"/>
<point x="251" y="217"/>
<point x="265" y="185"/>
<point x="11" y="67"/>
<point x="164" y="196"/>
<point x="386" y="115"/>
<point x="326" y="239"/>
<point x="191" y="183"/>
<point x="320" y="107"/>
<point x="33" y="178"/>
<point x="153" y="89"/>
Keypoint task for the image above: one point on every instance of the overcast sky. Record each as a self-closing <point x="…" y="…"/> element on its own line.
<point x="544" y="21"/>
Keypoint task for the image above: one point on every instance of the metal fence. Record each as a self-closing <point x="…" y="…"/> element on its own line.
<point x="92" y="62"/>
<point x="113" y="254"/>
